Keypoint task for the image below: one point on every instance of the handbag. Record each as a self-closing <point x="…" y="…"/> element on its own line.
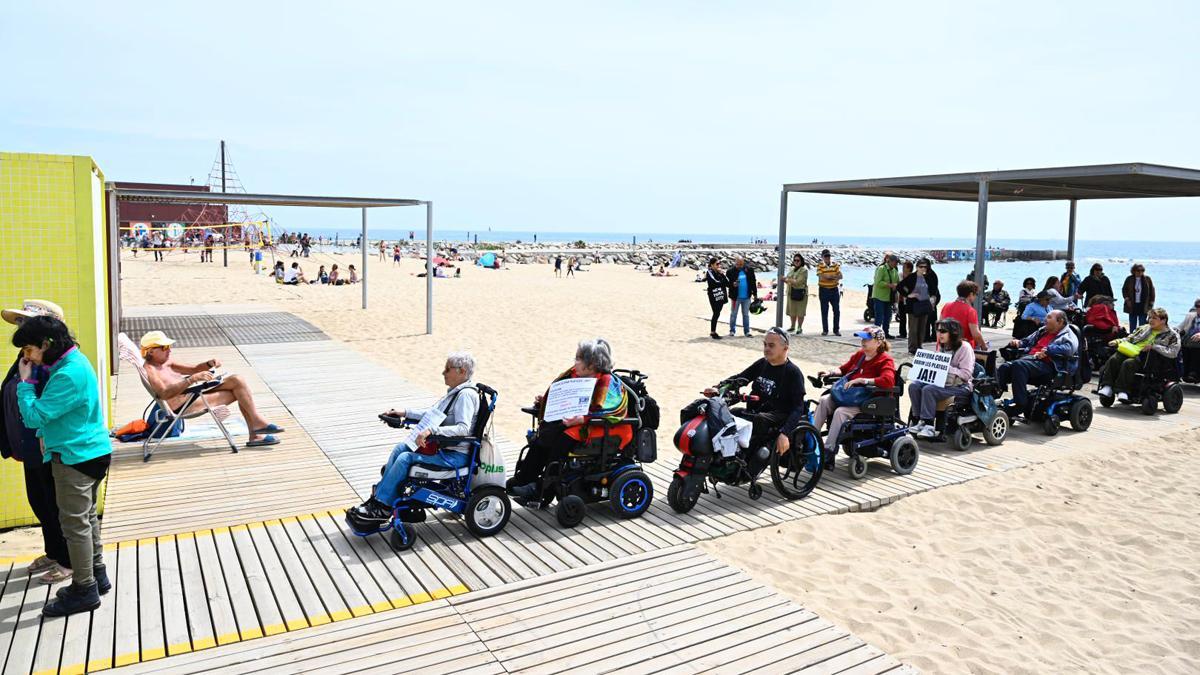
<point x="797" y="293"/>
<point x="1128" y="348"/>
<point x="717" y="294"/>
<point x="844" y="395"/>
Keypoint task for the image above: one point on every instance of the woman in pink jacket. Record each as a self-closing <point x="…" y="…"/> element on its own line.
<point x="925" y="397"/>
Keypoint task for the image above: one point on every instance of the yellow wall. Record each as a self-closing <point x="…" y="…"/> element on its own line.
<point x="52" y="247"/>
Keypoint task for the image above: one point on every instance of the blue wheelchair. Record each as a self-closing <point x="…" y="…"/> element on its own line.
<point x="876" y="432"/>
<point x="486" y="508"/>
<point x="1055" y="400"/>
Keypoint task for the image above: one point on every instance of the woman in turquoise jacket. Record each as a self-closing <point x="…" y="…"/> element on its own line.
<point x="69" y="421"/>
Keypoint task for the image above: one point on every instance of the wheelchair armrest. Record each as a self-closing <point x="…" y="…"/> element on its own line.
<point x="392" y="421"/>
<point x="600" y="421"/>
<point x="452" y="440"/>
<point x="530" y="410"/>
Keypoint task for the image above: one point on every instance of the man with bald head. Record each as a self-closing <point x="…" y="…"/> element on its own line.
<point x="1052" y="348"/>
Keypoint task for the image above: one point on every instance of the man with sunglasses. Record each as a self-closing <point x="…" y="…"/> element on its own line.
<point x="777" y="391"/>
<point x="170" y="380"/>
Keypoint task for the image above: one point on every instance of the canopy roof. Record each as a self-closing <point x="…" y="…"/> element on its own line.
<point x="188" y="197"/>
<point x="1101" y="181"/>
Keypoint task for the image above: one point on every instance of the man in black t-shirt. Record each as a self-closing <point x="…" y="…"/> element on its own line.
<point x="778" y="385"/>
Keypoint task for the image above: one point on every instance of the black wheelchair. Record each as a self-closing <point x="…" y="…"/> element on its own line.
<point x="876" y="432"/>
<point x="602" y="469"/>
<point x="1158" y="379"/>
<point x="1055" y="401"/>
<point x="960" y="418"/>
<point x="431" y="486"/>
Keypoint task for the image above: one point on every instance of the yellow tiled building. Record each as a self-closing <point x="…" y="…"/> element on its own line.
<point x="53" y="246"/>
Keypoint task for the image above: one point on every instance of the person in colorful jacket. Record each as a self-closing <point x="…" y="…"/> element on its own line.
<point x="19" y="442"/>
<point x="69" y="420"/>
<point x="1120" y="370"/>
<point x="610" y="402"/>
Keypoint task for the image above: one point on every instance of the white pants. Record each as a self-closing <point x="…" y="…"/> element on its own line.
<point x="836" y="416"/>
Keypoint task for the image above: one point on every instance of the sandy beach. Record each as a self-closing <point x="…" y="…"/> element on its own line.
<point x="1080" y="565"/>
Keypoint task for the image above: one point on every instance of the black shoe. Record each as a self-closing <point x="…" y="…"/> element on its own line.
<point x="76" y="599"/>
<point x="371" y="514"/>
<point x="837" y="333"/>
<point x="714" y="336"/>
<point x="103" y="585"/>
<point x="824" y="333"/>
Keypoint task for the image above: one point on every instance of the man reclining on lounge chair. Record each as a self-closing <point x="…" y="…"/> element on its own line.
<point x="461" y="405"/>
<point x="170" y="380"/>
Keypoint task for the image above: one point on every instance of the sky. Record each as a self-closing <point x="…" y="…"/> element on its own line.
<point x="617" y="116"/>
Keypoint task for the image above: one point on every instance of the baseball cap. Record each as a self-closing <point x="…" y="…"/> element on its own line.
<point x="825" y="253"/>
<point x="870" y="332"/>
<point x="155" y="338"/>
<point x="32" y="308"/>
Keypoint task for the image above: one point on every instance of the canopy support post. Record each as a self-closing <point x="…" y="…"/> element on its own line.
<point x="429" y="268"/>
<point x="364" y="257"/>
<point x="780" y="295"/>
<point x="980" y="244"/>
<point x="1071" y="233"/>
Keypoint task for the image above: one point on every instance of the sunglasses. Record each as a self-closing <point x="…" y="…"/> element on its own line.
<point x="943" y="330"/>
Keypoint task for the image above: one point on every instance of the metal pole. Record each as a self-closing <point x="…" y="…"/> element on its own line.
<point x="980" y="244"/>
<point x="1071" y="233"/>
<point x="428" y="268"/>
<point x="114" y="281"/>
<point x="225" y="239"/>
<point x="780" y="294"/>
<point x="364" y="256"/>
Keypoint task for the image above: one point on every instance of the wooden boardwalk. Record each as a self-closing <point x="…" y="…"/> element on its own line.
<point x="209" y="550"/>
<point x="675" y="610"/>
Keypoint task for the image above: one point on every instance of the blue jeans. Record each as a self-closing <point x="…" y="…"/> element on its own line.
<point x="883" y="315"/>
<point x="830" y="297"/>
<point x="395" y="472"/>
<point x="744" y="303"/>
<point x="1136" y="319"/>
<point x="1021" y="373"/>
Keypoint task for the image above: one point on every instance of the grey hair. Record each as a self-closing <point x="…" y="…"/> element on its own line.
<point x="462" y="360"/>
<point x="597" y="354"/>
<point x="1058" y="314"/>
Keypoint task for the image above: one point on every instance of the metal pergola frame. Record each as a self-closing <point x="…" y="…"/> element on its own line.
<point x="1101" y="181"/>
<point x="185" y="197"/>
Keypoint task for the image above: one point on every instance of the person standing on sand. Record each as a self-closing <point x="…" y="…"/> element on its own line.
<point x="571" y="266"/>
<point x="886" y="280"/>
<point x="906" y="268"/>
<point x="718" y="294"/>
<point x="1138" y="291"/>
<point x="1095" y="284"/>
<point x="742" y="287"/>
<point x="558" y="265"/>
<point x="382" y="250"/>
<point x="797" y="299"/>
<point x="829" y="276"/>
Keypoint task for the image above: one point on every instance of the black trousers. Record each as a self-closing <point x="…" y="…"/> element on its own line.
<point x="716" y="314"/>
<point x="39" y="490"/>
<point x="551" y="444"/>
<point x="766" y="427"/>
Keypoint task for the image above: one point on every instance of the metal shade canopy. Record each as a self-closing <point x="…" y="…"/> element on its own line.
<point x="188" y="197"/>
<point x="1072" y="183"/>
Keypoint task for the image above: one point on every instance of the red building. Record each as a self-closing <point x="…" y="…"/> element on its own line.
<point x="162" y="214"/>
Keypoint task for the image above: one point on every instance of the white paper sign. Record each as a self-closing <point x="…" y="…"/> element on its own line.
<point x="430" y="420"/>
<point x="931" y="367"/>
<point x="569" y="398"/>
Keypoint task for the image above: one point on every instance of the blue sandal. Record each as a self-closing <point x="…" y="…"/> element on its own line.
<point x="265" y="440"/>
<point x="270" y="429"/>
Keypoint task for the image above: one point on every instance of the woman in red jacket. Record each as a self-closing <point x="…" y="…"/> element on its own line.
<point x="1102" y="319"/>
<point x="870" y="365"/>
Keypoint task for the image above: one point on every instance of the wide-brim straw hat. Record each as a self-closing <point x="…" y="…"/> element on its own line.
<point x="30" y="309"/>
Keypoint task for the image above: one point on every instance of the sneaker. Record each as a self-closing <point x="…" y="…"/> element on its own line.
<point x="966" y="419"/>
<point x="41" y="564"/>
<point x="54" y="575"/>
<point x="1122" y="397"/>
<point x="732" y="334"/>
<point x="77" y="599"/>
<point x="371" y="513"/>
<point x="916" y="429"/>
<point x="1105" y="391"/>
<point x="927" y="431"/>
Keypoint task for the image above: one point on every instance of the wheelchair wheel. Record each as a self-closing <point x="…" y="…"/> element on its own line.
<point x="488" y="510"/>
<point x="1172" y="399"/>
<point x="1149" y="405"/>
<point x="1080" y="414"/>
<point x="857" y="466"/>
<point x="961" y="440"/>
<point x="631" y="494"/>
<point x="995" y="433"/>
<point x="403" y="537"/>
<point x="679" y="498"/>
<point x="798" y="472"/>
<point x="905" y="454"/>
<point x="571" y="510"/>
<point x="1050" y="425"/>
<point x="754" y="491"/>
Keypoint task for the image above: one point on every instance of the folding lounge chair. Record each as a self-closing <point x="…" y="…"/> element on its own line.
<point x="129" y="353"/>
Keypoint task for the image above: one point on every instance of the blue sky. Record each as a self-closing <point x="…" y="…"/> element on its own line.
<point x="618" y="116"/>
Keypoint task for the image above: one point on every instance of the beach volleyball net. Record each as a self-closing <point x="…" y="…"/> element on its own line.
<point x="171" y="237"/>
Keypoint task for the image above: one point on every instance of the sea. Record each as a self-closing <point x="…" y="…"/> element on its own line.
<point x="1174" y="266"/>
